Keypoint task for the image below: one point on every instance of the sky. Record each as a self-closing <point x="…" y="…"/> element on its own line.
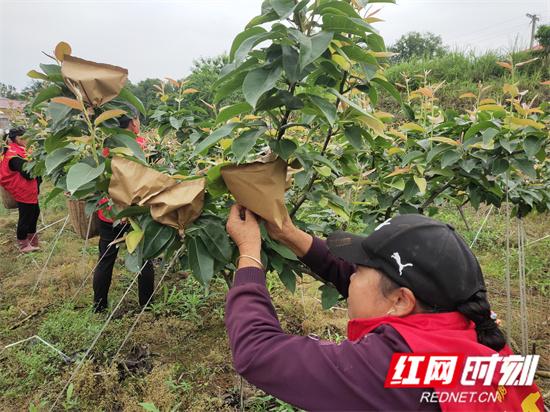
<point x="161" y="38"/>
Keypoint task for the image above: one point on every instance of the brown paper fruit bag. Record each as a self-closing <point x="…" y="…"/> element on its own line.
<point x="172" y="203"/>
<point x="98" y="83"/>
<point x="260" y="187"/>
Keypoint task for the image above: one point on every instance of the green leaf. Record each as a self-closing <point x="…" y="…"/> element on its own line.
<point x="57" y="158"/>
<point x="229" y="112"/>
<point x="241" y="37"/>
<point x="329" y="296"/>
<point x="134" y="261"/>
<point x="291" y="63"/>
<point x="354" y="134"/>
<point x="500" y="166"/>
<point x="526" y="166"/>
<point x="133" y="239"/>
<point x="54" y="142"/>
<point x="217" y="241"/>
<point x="288" y="278"/>
<point x="532" y="145"/>
<point x="53" y="194"/>
<point x="243" y="144"/>
<point x="421" y="183"/>
<point x="338" y="6"/>
<point x="126" y="95"/>
<point x="284" y="148"/>
<point x="230" y="86"/>
<point x="33" y="74"/>
<point x="132" y="211"/>
<point x="122" y="140"/>
<point x="468" y="165"/>
<point x="215" y="137"/>
<point x="327" y="108"/>
<point x="409" y="112"/>
<point x="53" y="71"/>
<point x="156" y="237"/>
<point x="478" y="127"/>
<point x="374" y="122"/>
<point x="339" y="23"/>
<point x="247" y="45"/>
<point x="410" y="156"/>
<point x="324" y="171"/>
<point x="82" y="173"/>
<point x="46" y="94"/>
<point x="60" y="115"/>
<point x="200" y="261"/>
<point x="176" y="123"/>
<point x="311" y="48"/>
<point x="283" y="8"/>
<point x="449" y="158"/>
<point x="259" y="81"/>
<point x="264" y="18"/>
<point x="149" y="407"/>
<point x="390" y="88"/>
<point x="282" y="251"/>
<point x="215" y="184"/>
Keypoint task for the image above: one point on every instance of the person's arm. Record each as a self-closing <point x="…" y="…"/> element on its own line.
<point x="16" y="165"/>
<point x="314" y="253"/>
<point x="329" y="267"/>
<point x="305" y="371"/>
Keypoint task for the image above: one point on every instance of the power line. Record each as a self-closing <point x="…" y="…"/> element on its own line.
<point x="490" y="29"/>
<point x="490" y="35"/>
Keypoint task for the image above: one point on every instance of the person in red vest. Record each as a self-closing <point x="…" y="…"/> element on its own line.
<point x="412" y="286"/>
<point x="22" y="187"/>
<point x="109" y="233"/>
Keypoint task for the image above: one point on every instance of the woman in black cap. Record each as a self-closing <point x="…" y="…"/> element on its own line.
<point x="22" y="187"/>
<point x="412" y="286"/>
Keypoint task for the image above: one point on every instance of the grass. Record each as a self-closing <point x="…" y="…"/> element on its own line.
<point x="178" y="357"/>
<point x="461" y="72"/>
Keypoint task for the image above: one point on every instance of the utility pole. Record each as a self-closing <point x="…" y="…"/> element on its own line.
<point x="534" y="18"/>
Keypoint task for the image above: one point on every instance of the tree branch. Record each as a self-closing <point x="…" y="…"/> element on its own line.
<point x="282" y="127"/>
<point x="433" y="196"/>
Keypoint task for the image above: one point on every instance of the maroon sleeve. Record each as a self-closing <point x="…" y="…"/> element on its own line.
<point x="305" y="371"/>
<point x="329" y="267"/>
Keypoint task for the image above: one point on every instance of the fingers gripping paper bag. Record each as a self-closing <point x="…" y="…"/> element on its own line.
<point x="172" y="203"/>
<point x="260" y="187"/>
<point x="98" y="83"/>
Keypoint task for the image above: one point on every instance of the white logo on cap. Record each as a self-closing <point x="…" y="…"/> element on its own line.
<point x="397" y="258"/>
<point x="380" y="226"/>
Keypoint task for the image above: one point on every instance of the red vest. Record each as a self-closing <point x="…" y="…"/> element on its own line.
<point x="452" y="333"/>
<point x="22" y="190"/>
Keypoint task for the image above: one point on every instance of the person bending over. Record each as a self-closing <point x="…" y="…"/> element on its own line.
<point x="22" y="187"/>
<point x="413" y="285"/>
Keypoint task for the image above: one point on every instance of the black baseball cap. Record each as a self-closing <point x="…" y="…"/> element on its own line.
<point x="419" y="253"/>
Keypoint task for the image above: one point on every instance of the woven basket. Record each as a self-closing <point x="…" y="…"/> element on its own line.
<point x="80" y="220"/>
<point x="7" y="199"/>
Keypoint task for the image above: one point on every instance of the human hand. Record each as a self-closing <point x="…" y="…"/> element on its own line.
<point x="281" y="234"/>
<point x="245" y="233"/>
<point x="295" y="239"/>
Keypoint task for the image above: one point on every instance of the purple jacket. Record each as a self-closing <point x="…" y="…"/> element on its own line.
<point x="306" y="372"/>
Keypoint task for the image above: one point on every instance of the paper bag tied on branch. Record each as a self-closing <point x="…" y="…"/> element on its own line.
<point x="99" y="83"/>
<point x="172" y="203"/>
<point x="260" y="187"/>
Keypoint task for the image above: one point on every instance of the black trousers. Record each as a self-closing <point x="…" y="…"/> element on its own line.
<point x="28" y="219"/>
<point x="104" y="269"/>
